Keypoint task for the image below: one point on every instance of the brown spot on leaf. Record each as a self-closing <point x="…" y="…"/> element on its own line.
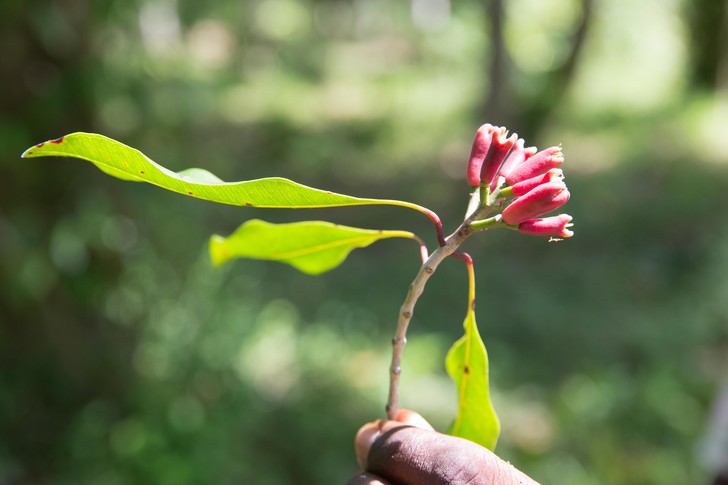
<point x="141" y="171"/>
<point x="248" y="204"/>
<point x="466" y="370"/>
<point x="190" y="193"/>
<point x="55" y="141"/>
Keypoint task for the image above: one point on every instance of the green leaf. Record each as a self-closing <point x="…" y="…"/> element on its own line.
<point x="467" y="364"/>
<point x="127" y="163"/>
<point x="313" y="247"/>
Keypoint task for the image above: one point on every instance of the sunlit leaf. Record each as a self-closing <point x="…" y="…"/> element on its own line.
<point x="127" y="163"/>
<point x="467" y="364"/>
<point x="313" y="247"/>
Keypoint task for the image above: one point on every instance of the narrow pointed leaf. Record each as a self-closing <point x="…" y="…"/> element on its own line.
<point x="467" y="364"/>
<point x="313" y="247"/>
<point x="127" y="163"/>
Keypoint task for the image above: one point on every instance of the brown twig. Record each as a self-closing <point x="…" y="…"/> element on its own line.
<point x="416" y="288"/>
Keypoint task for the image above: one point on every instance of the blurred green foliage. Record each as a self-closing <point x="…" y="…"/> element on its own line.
<point x="126" y="358"/>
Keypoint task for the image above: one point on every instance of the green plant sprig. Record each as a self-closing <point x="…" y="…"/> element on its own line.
<point x="511" y="187"/>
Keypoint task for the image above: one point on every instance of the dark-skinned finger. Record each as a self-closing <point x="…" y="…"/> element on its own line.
<point x="367" y="479"/>
<point x="371" y="431"/>
<point x="406" y="455"/>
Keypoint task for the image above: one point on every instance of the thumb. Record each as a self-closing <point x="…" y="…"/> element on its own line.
<point x="368" y="433"/>
<point x="406" y="454"/>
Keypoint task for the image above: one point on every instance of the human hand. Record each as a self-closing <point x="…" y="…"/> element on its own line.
<point x="409" y="451"/>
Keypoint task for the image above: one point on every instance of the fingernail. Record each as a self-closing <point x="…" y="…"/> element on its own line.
<point x="364" y="439"/>
<point x="413" y="419"/>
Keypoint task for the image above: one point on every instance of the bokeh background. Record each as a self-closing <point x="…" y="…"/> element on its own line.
<point x="125" y="357"/>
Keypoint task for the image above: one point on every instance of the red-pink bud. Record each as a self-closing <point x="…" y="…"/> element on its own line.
<point x="481" y="144"/>
<point x="517" y="156"/>
<point x="536" y="165"/>
<point x="522" y="188"/>
<point x="499" y="148"/>
<point x="542" y="199"/>
<point x="548" y="226"/>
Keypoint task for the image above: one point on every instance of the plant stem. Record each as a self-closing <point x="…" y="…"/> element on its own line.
<point x="451" y="244"/>
<point x="423" y="249"/>
<point x="465" y="257"/>
<point x="430" y="214"/>
<point x="438" y="227"/>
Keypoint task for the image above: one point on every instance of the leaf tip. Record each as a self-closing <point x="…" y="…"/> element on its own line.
<point x="30" y="152"/>
<point x="218" y="255"/>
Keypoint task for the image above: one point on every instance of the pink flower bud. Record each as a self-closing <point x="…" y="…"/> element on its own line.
<point x="481" y="144"/>
<point x="536" y="165"/>
<point x="499" y="148"/>
<point x="522" y="188"/>
<point x="517" y="156"/>
<point x="549" y="226"/>
<point x="542" y="199"/>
